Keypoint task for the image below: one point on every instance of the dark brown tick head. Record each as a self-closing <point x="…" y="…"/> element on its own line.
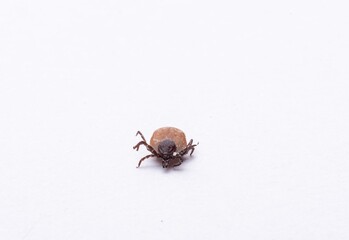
<point x="166" y="150"/>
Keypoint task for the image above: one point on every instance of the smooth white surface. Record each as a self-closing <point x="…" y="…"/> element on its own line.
<point x="262" y="85"/>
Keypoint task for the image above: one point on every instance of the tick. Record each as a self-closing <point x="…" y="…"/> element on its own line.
<point x="167" y="143"/>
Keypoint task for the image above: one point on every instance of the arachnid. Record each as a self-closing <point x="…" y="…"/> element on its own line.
<point x="167" y="143"/>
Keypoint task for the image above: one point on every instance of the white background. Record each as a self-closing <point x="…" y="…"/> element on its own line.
<point x="262" y="85"/>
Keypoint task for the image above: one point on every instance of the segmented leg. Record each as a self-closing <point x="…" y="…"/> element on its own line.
<point x="139" y="133"/>
<point x="142" y="159"/>
<point x="144" y="142"/>
<point x="192" y="150"/>
<point x="180" y="160"/>
<point x="188" y="148"/>
<point x="139" y="144"/>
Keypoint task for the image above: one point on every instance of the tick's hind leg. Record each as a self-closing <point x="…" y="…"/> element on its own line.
<point x="192" y="148"/>
<point x="142" y="159"/>
<point x="189" y="147"/>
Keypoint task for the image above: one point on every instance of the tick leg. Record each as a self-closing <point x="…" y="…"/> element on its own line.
<point x="192" y="150"/>
<point x="178" y="163"/>
<point x="142" y="159"/>
<point x="149" y="148"/>
<point x="139" y="133"/>
<point x="139" y="144"/>
<point x="188" y="148"/>
<point x="192" y="147"/>
<point x="144" y="142"/>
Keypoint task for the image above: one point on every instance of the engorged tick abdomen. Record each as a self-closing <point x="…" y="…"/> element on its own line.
<point x="171" y="133"/>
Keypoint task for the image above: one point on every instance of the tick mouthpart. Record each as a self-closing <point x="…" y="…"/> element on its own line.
<point x="164" y="164"/>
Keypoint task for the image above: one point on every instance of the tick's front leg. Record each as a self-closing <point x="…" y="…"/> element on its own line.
<point x="142" y="159"/>
<point x="139" y="133"/>
<point x="180" y="161"/>
<point x="139" y="144"/>
<point x="149" y="148"/>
